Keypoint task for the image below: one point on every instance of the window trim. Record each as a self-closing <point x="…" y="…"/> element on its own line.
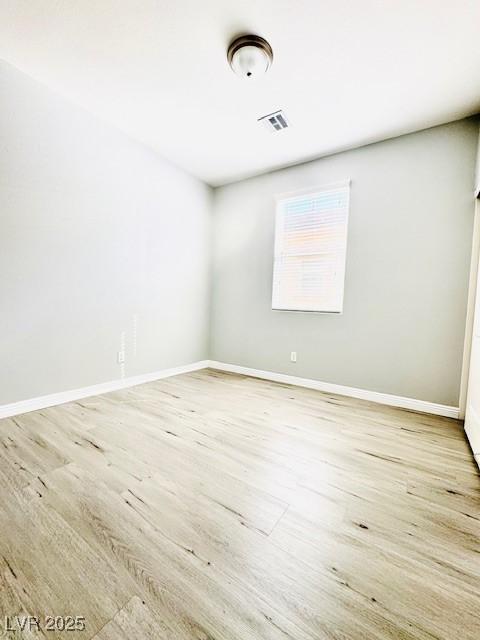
<point x="305" y="192"/>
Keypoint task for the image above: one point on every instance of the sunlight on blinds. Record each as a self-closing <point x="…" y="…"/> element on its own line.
<point x="310" y="250"/>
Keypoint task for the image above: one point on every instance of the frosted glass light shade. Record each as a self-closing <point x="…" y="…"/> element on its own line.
<point x="250" y="61"/>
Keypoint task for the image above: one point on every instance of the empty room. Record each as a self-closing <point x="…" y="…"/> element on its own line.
<point x="239" y="320"/>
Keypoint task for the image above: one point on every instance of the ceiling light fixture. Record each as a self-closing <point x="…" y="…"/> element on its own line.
<point x="250" y="56"/>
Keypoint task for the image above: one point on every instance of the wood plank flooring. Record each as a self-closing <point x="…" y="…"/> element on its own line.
<point x="213" y="506"/>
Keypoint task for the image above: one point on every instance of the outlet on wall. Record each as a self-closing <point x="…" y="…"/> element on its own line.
<point x="121" y="357"/>
<point x="293" y="356"/>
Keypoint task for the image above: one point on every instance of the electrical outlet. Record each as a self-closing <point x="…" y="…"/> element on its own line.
<point x="121" y="357"/>
<point x="293" y="356"/>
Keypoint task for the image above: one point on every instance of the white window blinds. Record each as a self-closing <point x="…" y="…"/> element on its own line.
<point x="310" y="250"/>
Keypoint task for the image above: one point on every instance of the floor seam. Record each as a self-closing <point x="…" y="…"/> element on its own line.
<point x="280" y="517"/>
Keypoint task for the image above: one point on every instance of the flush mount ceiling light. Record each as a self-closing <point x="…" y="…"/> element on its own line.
<point x="250" y="56"/>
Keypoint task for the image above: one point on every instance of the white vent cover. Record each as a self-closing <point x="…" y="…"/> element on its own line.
<point x="276" y="121"/>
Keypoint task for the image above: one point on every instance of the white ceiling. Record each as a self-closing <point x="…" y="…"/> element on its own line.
<point x="345" y="72"/>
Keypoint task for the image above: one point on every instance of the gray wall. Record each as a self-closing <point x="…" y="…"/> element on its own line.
<point x="96" y="234"/>
<point x="409" y="243"/>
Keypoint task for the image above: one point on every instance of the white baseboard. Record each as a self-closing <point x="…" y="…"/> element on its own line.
<point x="33" y="404"/>
<point x="328" y="387"/>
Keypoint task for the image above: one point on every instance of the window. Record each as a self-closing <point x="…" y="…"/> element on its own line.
<point x="310" y="250"/>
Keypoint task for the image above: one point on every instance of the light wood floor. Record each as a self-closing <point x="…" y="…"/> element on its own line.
<point x="219" y="507"/>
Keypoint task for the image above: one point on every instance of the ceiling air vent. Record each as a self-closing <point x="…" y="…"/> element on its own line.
<point x="276" y="121"/>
